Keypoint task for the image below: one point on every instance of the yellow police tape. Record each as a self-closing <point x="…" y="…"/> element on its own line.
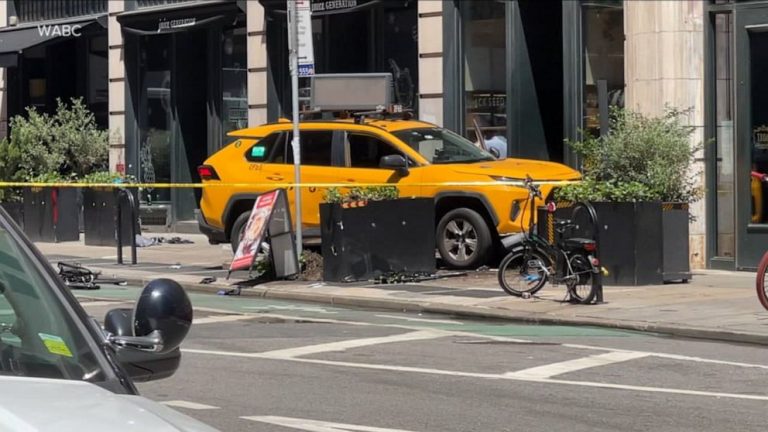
<point x="272" y="185"/>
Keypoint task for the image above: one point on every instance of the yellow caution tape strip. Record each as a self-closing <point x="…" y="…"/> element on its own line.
<point x="215" y="184"/>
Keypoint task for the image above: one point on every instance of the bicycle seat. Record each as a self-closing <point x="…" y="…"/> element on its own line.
<point x="579" y="243"/>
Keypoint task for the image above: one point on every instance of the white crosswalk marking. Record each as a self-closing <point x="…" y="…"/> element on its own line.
<point x="188" y="405"/>
<point x="100" y="303"/>
<point x="317" y="426"/>
<point x="553" y="369"/>
<point x="222" y="318"/>
<point x="348" y="344"/>
<point x="436" y="321"/>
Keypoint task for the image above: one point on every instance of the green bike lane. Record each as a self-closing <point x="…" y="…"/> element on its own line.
<point x="208" y="304"/>
<point x="487" y="331"/>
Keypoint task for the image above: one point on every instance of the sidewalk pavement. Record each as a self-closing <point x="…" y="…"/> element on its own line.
<point x="713" y="305"/>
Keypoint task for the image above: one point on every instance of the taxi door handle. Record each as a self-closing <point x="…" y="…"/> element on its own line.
<point x="275" y="178"/>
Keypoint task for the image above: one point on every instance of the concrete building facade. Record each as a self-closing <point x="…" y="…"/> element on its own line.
<point x="169" y="78"/>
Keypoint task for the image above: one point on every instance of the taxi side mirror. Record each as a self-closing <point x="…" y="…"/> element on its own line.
<point x="395" y="162"/>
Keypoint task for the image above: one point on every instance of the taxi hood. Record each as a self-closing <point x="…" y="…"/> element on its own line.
<point x="40" y="404"/>
<point x="519" y="168"/>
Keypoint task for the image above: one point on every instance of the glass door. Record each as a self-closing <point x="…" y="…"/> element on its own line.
<point x="752" y="136"/>
<point x="155" y="117"/>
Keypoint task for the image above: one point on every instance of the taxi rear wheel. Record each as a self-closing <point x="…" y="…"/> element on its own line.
<point x="464" y="239"/>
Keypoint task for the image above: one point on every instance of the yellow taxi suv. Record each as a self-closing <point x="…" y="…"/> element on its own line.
<point x="422" y="159"/>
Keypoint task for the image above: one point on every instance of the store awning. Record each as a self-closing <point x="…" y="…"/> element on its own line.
<point x="178" y="17"/>
<point x="14" y="40"/>
<point x="328" y="7"/>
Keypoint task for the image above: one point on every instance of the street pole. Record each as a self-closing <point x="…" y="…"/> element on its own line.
<point x="293" y="44"/>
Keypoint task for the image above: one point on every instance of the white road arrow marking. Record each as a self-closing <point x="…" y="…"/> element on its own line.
<point x="188" y="405"/>
<point x="316" y="425"/>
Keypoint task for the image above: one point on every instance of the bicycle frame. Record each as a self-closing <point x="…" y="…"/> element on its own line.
<point x="557" y="255"/>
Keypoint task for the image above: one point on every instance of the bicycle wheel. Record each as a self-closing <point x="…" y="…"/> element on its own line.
<point x="760" y="284"/>
<point x="579" y="283"/>
<point x="523" y="272"/>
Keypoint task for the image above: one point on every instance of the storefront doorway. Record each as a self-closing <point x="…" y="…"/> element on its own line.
<point x="187" y="89"/>
<point x="172" y="118"/>
<point x="751" y="36"/>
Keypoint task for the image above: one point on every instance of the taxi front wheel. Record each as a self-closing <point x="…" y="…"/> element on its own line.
<point x="237" y="229"/>
<point x="463" y="239"/>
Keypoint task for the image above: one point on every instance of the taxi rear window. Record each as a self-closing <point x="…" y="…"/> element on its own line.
<point x="265" y="149"/>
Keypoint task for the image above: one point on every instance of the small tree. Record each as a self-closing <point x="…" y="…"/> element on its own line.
<point x="641" y="159"/>
<point x="85" y="147"/>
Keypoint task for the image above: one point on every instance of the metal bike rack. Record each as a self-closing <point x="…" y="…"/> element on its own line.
<point x="132" y="203"/>
<point x="596" y="237"/>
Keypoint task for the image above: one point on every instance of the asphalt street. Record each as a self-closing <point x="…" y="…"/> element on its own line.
<point x="262" y="365"/>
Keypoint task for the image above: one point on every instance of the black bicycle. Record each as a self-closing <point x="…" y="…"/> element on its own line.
<point x="533" y="260"/>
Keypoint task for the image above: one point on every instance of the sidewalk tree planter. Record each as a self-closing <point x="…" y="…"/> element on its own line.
<point x="641" y="243"/>
<point x="364" y="238"/>
<point x="51" y="214"/>
<point x="100" y="211"/>
<point x="640" y="180"/>
<point x="15" y="210"/>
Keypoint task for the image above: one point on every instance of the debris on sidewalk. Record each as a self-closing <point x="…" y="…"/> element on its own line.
<point x="208" y="280"/>
<point x="311" y="266"/>
<point x="142" y="241"/>
<point x="76" y="276"/>
<point x="230" y="292"/>
<point x="411" y="277"/>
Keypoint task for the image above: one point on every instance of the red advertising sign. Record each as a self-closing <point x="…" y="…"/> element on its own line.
<point x="253" y="234"/>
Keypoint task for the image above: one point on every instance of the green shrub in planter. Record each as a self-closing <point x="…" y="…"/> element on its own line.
<point x="642" y="159"/>
<point x="370" y="193"/>
<point x="633" y="175"/>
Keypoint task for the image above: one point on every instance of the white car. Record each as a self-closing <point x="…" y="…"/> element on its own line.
<point x="61" y="371"/>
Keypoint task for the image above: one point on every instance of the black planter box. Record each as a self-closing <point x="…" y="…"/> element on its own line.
<point x="643" y="243"/>
<point x="16" y="211"/>
<point x="100" y="217"/>
<point x="52" y="214"/>
<point x="378" y="238"/>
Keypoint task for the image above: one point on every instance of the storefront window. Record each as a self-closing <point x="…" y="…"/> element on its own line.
<point x="234" y="81"/>
<point x="373" y="37"/>
<point x="603" y="35"/>
<point x="98" y="93"/>
<point x="485" y="71"/>
<point x="724" y="112"/>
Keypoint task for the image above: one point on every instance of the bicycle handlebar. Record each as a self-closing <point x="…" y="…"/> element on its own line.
<point x="532" y="188"/>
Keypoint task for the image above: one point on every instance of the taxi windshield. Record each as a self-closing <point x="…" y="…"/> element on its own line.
<point x="38" y="335"/>
<point x="441" y="146"/>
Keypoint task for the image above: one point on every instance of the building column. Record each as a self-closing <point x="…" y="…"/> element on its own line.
<point x="116" y="88"/>
<point x="256" y="26"/>
<point x="3" y="78"/>
<point x="431" y="61"/>
<point x="664" y="64"/>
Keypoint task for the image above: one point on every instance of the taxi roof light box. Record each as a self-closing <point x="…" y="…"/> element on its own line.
<point x="359" y="92"/>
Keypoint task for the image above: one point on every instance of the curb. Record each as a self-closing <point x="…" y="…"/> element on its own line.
<point x="478" y="312"/>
